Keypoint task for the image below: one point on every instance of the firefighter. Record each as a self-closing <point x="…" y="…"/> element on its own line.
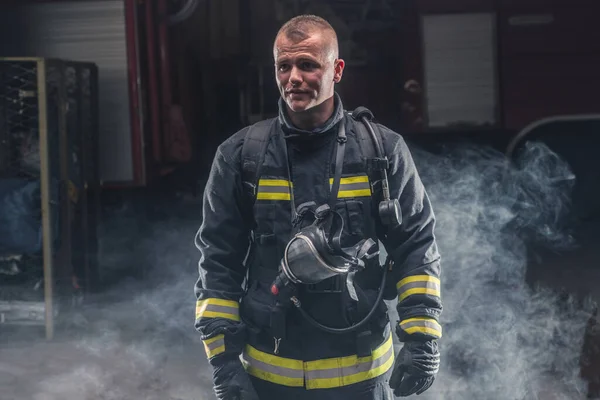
<point x="290" y="293"/>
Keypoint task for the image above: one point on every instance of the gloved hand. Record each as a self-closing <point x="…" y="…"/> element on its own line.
<point x="415" y="368"/>
<point x="231" y="381"/>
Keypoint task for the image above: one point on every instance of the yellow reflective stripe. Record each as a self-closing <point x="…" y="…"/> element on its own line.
<point x="336" y="372"/>
<point x="273" y="377"/>
<point x="218" y="308"/>
<point x="274" y="182"/>
<point x="214" y="346"/>
<point x="349" y="360"/>
<point x="353" y="193"/>
<point x="428" y="326"/>
<point x="353" y="186"/>
<point x="273" y="189"/>
<point x="418" y="278"/>
<point x="273" y="196"/>
<point x="351" y="179"/>
<point x="273" y="359"/>
<point x="405" y="294"/>
<point x="418" y="284"/>
<point x="275" y="369"/>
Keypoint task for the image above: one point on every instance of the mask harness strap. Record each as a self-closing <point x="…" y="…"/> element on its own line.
<point x="336" y="243"/>
<point x="335" y="187"/>
<point x="324" y="210"/>
<point x="339" y="163"/>
<point x="289" y="172"/>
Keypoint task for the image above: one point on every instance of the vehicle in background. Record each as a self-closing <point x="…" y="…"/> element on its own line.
<point x="485" y="71"/>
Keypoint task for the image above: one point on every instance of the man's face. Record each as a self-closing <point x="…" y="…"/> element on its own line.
<point x="306" y="71"/>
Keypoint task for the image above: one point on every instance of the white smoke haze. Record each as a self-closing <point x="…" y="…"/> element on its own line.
<point x="134" y="341"/>
<point x="502" y="340"/>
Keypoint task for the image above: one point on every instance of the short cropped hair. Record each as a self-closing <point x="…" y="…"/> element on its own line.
<point x="300" y="27"/>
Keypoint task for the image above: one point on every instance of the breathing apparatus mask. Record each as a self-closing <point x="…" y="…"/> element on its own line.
<point x="315" y="253"/>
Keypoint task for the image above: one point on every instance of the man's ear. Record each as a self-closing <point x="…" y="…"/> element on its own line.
<point x="338" y="70"/>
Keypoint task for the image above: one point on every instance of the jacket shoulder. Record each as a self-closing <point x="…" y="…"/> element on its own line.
<point x="388" y="135"/>
<point x="393" y="141"/>
<point x="231" y="148"/>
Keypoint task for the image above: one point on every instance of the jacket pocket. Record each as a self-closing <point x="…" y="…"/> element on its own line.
<point x="266" y="252"/>
<point x="266" y="249"/>
<point x="256" y="307"/>
<point x="264" y="217"/>
<point x="354" y="220"/>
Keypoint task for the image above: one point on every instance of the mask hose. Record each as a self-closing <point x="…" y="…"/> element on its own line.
<point x="356" y="326"/>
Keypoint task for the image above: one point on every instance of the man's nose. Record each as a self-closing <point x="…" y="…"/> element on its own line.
<point x="295" y="76"/>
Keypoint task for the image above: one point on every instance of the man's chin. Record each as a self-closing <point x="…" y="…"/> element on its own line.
<point x="299" y="106"/>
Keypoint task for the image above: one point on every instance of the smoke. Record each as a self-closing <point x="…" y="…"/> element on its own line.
<point x="502" y="339"/>
<point x="133" y="341"/>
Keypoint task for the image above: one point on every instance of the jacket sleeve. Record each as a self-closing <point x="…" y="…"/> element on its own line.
<point x="413" y="248"/>
<point x="223" y="241"/>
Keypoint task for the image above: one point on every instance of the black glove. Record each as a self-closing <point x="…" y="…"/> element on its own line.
<point x="415" y="368"/>
<point x="231" y="381"/>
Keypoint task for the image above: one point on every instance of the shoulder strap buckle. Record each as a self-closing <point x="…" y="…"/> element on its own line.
<point x="378" y="164"/>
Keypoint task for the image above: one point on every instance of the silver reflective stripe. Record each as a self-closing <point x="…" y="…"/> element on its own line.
<point x="217" y="308"/>
<point x="273" y="189"/>
<point x="213" y="345"/>
<point x="221" y="309"/>
<point x="355" y="186"/>
<point x="351" y="370"/>
<point x="274" y="369"/>
<point x="426" y="323"/>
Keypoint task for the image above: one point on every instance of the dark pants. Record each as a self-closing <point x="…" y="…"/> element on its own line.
<point x="374" y="389"/>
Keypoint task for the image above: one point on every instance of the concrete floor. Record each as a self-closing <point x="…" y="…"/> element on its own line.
<point x="123" y="352"/>
<point x="84" y="370"/>
<point x="129" y="350"/>
<point x="136" y="339"/>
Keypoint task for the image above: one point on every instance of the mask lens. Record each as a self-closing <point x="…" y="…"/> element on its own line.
<point x="303" y="264"/>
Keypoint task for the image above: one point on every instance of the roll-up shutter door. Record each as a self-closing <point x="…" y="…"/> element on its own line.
<point x="460" y="71"/>
<point x="92" y="31"/>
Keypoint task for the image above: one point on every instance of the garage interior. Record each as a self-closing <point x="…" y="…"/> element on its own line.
<point x="460" y="81"/>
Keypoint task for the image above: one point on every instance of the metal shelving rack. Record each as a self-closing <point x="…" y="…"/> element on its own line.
<point x="48" y="154"/>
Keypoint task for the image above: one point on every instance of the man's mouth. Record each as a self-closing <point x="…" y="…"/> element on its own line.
<point x="294" y="91"/>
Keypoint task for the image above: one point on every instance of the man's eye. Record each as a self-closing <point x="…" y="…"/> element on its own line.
<point x="308" y="65"/>
<point x="282" y="67"/>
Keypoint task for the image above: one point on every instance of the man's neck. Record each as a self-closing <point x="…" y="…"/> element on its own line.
<point x="313" y="118"/>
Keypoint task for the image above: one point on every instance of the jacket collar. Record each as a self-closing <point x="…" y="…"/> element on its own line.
<point x="289" y="130"/>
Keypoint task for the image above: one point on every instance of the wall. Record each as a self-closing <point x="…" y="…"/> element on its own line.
<point x="548" y="55"/>
<point x="91" y="31"/>
<point x="550" y="64"/>
<point x="217" y="55"/>
<point x="12" y="36"/>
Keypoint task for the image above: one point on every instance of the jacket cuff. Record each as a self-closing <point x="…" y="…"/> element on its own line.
<point x="224" y="343"/>
<point x="418" y="328"/>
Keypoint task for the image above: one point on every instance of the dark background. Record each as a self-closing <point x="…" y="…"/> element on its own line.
<point x="518" y="230"/>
